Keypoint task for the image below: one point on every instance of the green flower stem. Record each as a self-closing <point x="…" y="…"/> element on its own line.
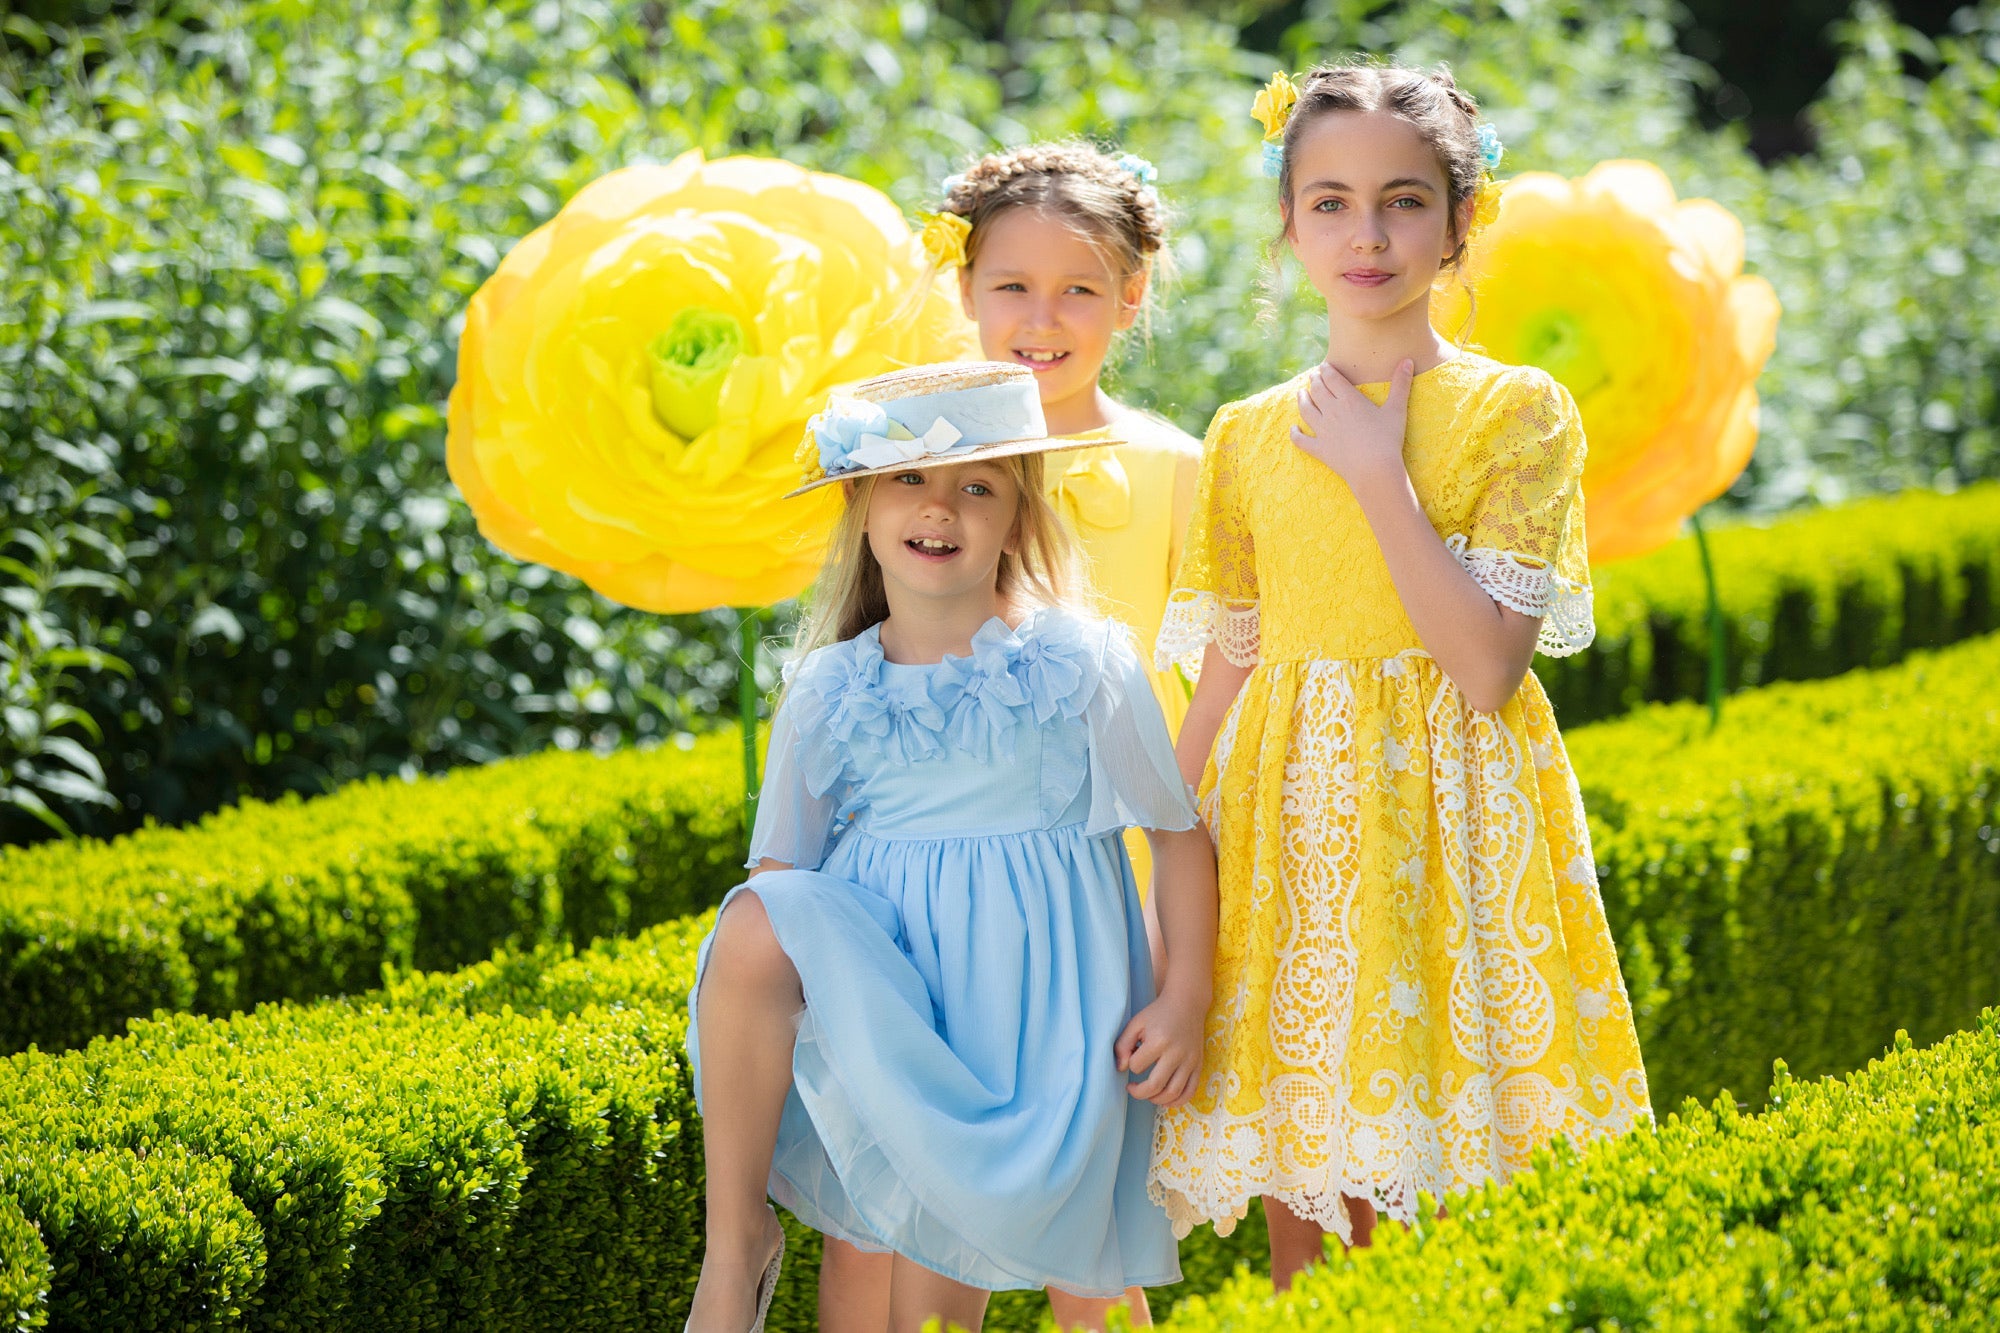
<point x="1717" y="646"/>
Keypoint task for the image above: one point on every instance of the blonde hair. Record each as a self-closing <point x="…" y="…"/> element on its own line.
<point x="1046" y="567"/>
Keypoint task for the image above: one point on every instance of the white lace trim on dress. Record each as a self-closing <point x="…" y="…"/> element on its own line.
<point x="1196" y="619"/>
<point x="1522" y="583"/>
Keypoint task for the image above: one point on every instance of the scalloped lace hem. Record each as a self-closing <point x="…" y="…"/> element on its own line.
<point x="1524" y="584"/>
<point x="1196" y="619"/>
<point x="1394" y="1183"/>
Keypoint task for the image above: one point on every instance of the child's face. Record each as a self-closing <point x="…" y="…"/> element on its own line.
<point x="1371" y="220"/>
<point x="939" y="532"/>
<point x="1044" y="297"/>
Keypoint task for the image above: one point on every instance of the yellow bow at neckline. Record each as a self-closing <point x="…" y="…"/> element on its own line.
<point x="1093" y="490"/>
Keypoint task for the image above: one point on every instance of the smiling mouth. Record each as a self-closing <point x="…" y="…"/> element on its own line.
<point x="1041" y="360"/>
<point x="931" y="548"/>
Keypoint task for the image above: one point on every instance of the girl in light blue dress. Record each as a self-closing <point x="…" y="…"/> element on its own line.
<point x="928" y="1024"/>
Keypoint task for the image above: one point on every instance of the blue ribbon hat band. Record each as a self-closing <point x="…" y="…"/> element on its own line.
<point x="929" y="416"/>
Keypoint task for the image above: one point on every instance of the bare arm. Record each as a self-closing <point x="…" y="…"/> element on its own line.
<point x="1485" y="648"/>
<point x="767" y="864"/>
<point x="1221" y="681"/>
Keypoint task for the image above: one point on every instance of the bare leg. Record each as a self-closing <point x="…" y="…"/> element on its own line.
<point x="1297" y="1243"/>
<point x="917" y="1294"/>
<point x="853" y="1289"/>
<point x="1072" y="1312"/>
<point x="749" y="995"/>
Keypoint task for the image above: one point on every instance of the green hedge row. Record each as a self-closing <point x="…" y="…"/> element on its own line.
<point x="512" y="1146"/>
<point x="1811" y="596"/>
<point x="1866" y="1203"/>
<point x="1821" y="871"/>
<point x="357" y="1166"/>
<point x="291" y="900"/>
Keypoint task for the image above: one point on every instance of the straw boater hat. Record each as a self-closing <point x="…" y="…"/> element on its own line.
<point x="928" y="416"/>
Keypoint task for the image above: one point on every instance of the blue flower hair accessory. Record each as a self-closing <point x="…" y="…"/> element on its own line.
<point x="1139" y="167"/>
<point x="1273" y="163"/>
<point x="1491" y="150"/>
<point x="952" y="182"/>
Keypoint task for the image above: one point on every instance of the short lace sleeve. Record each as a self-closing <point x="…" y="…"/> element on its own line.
<point x="1525" y="542"/>
<point x="1134" y="782"/>
<point x="794" y="823"/>
<point x="1214" y="598"/>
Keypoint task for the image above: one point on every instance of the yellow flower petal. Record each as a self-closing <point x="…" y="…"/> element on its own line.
<point x="1637" y="303"/>
<point x="1274" y="104"/>
<point x="573" y="452"/>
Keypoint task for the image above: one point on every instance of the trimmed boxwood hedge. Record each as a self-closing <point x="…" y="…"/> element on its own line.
<point x="1866" y="1203"/>
<point x="359" y="1166"/>
<point x="292" y="899"/>
<point x="296" y="899"/>
<point x="1810" y="596"/>
<point x="513" y="1146"/>
<point x="1821" y="871"/>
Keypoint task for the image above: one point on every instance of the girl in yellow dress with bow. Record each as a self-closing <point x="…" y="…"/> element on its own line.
<point x="1055" y="246"/>
<point x="1414" y="985"/>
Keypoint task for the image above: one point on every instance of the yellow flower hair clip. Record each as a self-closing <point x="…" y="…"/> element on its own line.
<point x="1274" y="104"/>
<point x="944" y="238"/>
<point x="1486" y="203"/>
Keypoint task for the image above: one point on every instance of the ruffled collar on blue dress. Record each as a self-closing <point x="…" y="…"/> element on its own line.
<point x="1045" y="668"/>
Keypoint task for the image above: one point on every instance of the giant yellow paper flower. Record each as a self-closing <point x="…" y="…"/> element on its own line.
<point x="635" y="375"/>
<point x="1639" y="305"/>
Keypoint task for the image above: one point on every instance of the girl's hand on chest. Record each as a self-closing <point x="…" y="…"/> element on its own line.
<point x="1341" y="428"/>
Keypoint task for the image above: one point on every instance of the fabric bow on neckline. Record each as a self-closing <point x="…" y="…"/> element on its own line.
<point x="1093" y="491"/>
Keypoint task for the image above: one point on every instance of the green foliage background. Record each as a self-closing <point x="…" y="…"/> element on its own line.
<point x="236" y="239"/>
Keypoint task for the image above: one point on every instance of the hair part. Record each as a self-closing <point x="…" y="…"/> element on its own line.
<point x="1427" y="100"/>
<point x="1046" y="567"/>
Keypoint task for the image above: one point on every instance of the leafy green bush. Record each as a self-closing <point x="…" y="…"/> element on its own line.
<point x="1865" y="1203"/>
<point x="1811" y="595"/>
<point x="24" y="1271"/>
<point x="514" y="1146"/>
<point x="240" y="318"/>
<point x="354" y="1167"/>
<point x="1821" y="871"/>
<point x="294" y="900"/>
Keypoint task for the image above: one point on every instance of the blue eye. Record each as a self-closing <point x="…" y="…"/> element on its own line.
<point x="1411" y="200"/>
<point x="910" y="478"/>
<point x="1328" y="205"/>
<point x="978" y="488"/>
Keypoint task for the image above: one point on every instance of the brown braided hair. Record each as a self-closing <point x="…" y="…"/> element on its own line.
<point x="1428" y="100"/>
<point x="1075" y="182"/>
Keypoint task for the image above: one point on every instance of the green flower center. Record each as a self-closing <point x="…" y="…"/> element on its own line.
<point x="1558" y="342"/>
<point x="689" y="363"/>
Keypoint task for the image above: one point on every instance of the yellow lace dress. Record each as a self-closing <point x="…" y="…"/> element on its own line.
<point x="1414" y="984"/>
<point x="1129" y="504"/>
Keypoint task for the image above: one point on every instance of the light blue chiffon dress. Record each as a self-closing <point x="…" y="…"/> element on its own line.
<point x="963" y="917"/>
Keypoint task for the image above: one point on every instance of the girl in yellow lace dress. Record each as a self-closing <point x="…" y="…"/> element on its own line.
<point x="1414" y="986"/>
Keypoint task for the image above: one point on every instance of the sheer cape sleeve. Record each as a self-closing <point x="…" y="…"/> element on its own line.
<point x="1214" y="591"/>
<point x="1134" y="781"/>
<point x="1525" y="542"/>
<point x="799" y="803"/>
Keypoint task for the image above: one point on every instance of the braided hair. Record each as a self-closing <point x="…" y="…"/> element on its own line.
<point x="1072" y="181"/>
